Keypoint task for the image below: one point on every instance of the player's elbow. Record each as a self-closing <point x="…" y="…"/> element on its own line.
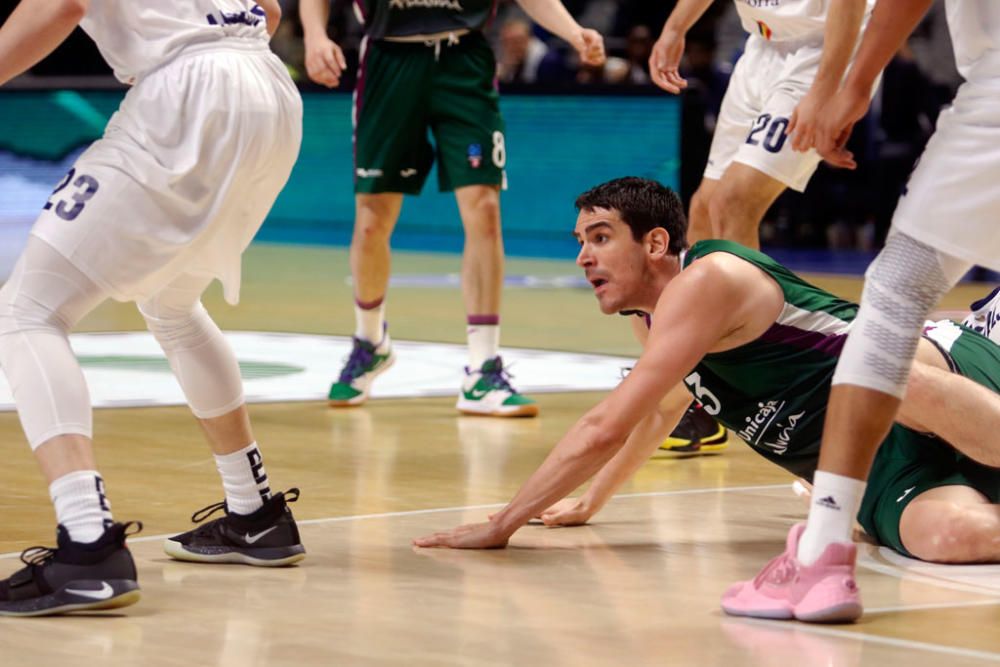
<point x="74" y="10"/>
<point x="601" y="435"/>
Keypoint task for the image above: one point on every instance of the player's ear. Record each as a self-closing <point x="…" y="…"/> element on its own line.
<point x="658" y="242"/>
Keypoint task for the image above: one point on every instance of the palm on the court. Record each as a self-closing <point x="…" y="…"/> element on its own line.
<point x="469" y="536"/>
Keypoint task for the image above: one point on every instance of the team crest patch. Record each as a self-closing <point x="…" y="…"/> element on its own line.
<point x="765" y="31"/>
<point x="475" y="155"/>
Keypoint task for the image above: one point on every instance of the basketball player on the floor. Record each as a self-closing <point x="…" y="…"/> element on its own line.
<point x="166" y="202"/>
<point x="945" y="222"/>
<point x="427" y="67"/>
<point x="758" y="346"/>
<point x="750" y="162"/>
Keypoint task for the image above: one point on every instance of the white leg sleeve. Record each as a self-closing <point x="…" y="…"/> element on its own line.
<point x="44" y="298"/>
<point x="199" y="354"/>
<point x="902" y="286"/>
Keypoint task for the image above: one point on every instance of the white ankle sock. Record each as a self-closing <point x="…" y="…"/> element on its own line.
<point x="832" y="510"/>
<point x="81" y="505"/>
<point x="369" y="323"/>
<point x="484" y="343"/>
<point x="244" y="479"/>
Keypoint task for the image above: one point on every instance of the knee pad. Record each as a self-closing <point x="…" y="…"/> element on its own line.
<point x="200" y="358"/>
<point x="902" y="286"/>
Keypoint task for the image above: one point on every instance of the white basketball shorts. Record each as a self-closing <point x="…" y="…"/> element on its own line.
<point x="185" y="174"/>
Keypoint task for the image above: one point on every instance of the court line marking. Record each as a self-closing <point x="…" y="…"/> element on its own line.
<point x="869" y="563"/>
<point x="463" y="508"/>
<point x="932" y="605"/>
<point x="841" y="634"/>
<point x="875" y="639"/>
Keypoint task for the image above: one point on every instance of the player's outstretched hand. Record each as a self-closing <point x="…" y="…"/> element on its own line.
<point x="665" y="62"/>
<point x="567" y="512"/>
<point x="325" y="62"/>
<point x="590" y="45"/>
<point x="469" y="536"/>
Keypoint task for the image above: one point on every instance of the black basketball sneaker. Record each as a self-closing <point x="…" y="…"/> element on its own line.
<point x="696" y="433"/>
<point x="267" y="537"/>
<point x="74" y="576"/>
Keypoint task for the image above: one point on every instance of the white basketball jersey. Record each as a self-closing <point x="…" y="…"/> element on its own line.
<point x="975" y="35"/>
<point x="785" y="20"/>
<point x="136" y="36"/>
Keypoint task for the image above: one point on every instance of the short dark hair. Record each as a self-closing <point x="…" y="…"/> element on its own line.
<point x="643" y="204"/>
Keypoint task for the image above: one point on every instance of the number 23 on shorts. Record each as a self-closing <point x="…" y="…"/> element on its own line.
<point x="84" y="187"/>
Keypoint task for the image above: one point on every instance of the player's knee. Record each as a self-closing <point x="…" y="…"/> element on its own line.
<point x="19" y="313"/>
<point x="910" y="272"/>
<point x="482" y="214"/>
<point x="177" y="328"/>
<point x="943" y="532"/>
<point x="730" y="214"/>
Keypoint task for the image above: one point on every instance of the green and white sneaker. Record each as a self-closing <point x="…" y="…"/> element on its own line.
<point x="487" y="392"/>
<point x="363" y="365"/>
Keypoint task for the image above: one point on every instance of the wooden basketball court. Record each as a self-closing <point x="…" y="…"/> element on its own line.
<point x="638" y="586"/>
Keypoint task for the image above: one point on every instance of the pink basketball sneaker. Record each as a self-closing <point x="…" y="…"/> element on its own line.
<point x="824" y="592"/>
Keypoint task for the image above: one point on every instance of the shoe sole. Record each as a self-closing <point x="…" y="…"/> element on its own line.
<point x="713" y="444"/>
<point x="842" y="613"/>
<point x="361" y="398"/>
<point x="518" y="411"/>
<point x="126" y="593"/>
<point x="178" y="551"/>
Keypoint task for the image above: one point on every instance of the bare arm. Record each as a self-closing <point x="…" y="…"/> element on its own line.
<point x="325" y="62"/>
<point x="554" y="17"/>
<point x="665" y="60"/>
<point x="694" y="312"/>
<point x="891" y="23"/>
<point x="34" y="30"/>
<point x="642" y="442"/>
<point x="843" y="23"/>
<point x="273" y="11"/>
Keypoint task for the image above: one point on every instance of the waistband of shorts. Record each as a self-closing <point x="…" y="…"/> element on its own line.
<point x="448" y="36"/>
<point x="227" y="44"/>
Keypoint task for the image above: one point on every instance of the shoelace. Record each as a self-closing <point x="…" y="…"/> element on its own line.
<point x="291" y="495"/>
<point x="38" y="555"/>
<point x="499" y="378"/>
<point x="778" y="571"/>
<point x="360" y="359"/>
<point x="41" y="555"/>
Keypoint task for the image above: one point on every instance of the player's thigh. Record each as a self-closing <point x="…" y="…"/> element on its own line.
<point x="466" y="119"/>
<point x="392" y="152"/>
<point x="907" y="466"/>
<point x="740" y="108"/>
<point x="766" y="147"/>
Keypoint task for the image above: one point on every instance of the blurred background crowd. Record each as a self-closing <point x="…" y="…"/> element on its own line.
<point x="840" y="210"/>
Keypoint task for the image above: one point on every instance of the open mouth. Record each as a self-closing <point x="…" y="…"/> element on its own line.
<point x="598" y="282"/>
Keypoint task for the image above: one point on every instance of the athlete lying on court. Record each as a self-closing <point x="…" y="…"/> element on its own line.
<point x="757" y="346"/>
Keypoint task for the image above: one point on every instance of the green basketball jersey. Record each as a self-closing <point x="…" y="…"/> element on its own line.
<point x="405" y="18"/>
<point x="773" y="391"/>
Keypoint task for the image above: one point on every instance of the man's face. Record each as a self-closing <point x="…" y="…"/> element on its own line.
<point x="613" y="262"/>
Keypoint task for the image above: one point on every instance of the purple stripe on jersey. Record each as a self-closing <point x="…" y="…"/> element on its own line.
<point x="829" y="344"/>
<point x="483" y="320"/>
<point x="361" y="10"/>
